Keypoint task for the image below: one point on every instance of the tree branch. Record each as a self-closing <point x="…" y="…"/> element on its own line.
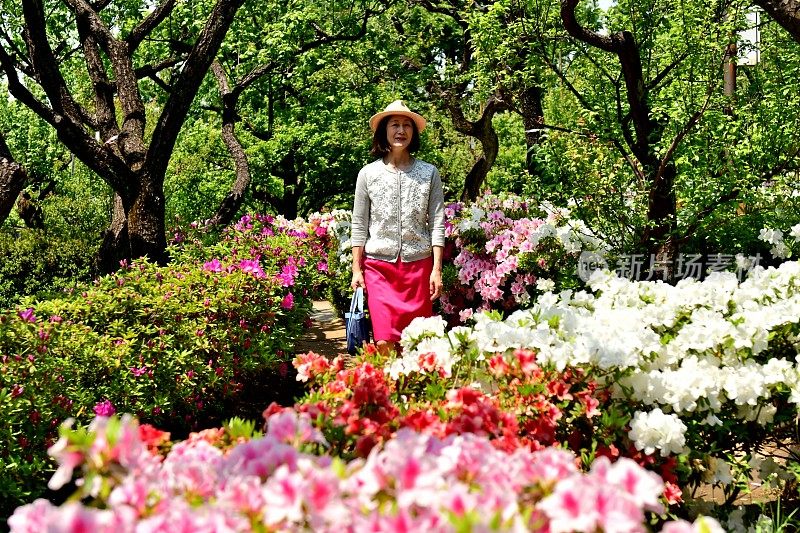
<point x="624" y="46"/>
<point x="22" y="63"/>
<point x="131" y="134"/>
<point x="148" y="71"/>
<point x="233" y="200"/>
<point x="188" y="83"/>
<point x="261" y="70"/>
<point x="44" y="63"/>
<point x="135" y="37"/>
<point x="663" y="74"/>
<point x="785" y="12"/>
<point x="572" y="26"/>
<point x="21" y="92"/>
<point x="105" y="113"/>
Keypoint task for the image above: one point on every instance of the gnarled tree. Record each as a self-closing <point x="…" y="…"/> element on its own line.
<point x="110" y="135"/>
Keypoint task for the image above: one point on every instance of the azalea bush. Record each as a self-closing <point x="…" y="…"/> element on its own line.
<point x="698" y="382"/>
<point x="175" y="345"/>
<point x="503" y="251"/>
<point x="703" y="372"/>
<point x="340" y="260"/>
<point x="130" y="477"/>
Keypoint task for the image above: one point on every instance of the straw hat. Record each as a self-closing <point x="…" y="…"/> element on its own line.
<point x="397" y="108"/>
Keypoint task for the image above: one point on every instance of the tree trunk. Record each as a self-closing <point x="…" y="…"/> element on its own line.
<point x="233" y="200"/>
<point x="137" y="226"/>
<point x="657" y="237"/>
<point x="146" y="227"/>
<point x="481" y="129"/>
<point x="115" y="246"/>
<point x="530" y="108"/>
<point x="12" y="181"/>
<point x="293" y="186"/>
<point x="490" y="145"/>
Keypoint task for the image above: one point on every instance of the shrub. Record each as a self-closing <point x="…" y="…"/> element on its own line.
<point x="34" y="263"/>
<point x="174" y="345"/>
<point x="502" y="252"/>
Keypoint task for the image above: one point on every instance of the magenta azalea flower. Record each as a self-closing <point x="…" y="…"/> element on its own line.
<point x="213" y="266"/>
<point x="105" y="408"/>
<point x="252" y="266"/>
<point x="288" y="301"/>
<point x="27" y="315"/>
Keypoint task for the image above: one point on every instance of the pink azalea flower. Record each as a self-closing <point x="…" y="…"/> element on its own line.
<point x="291" y="427"/>
<point x="282" y="493"/>
<point x="288" y="301"/>
<point x="67" y="460"/>
<point x="640" y="485"/>
<point x="32" y="518"/>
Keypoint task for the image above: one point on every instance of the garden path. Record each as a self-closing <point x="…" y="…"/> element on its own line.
<point x="326" y="336"/>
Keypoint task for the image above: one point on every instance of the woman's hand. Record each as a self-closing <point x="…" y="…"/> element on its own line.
<point x="358" y="280"/>
<point x="436" y="284"/>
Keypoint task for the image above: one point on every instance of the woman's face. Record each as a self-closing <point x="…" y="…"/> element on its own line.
<point x="399" y="132"/>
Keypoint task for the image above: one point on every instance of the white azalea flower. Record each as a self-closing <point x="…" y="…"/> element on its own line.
<point x="771" y="236"/>
<point x="658" y="431"/>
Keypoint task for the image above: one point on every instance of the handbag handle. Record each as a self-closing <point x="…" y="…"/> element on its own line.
<point x="357" y="302"/>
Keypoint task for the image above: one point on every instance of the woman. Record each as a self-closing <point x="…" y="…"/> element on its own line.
<point x="397" y="230"/>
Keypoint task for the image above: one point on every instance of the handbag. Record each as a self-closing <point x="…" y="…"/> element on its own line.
<point x="359" y="328"/>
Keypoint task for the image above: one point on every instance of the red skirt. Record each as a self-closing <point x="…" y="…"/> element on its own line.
<point x="397" y="293"/>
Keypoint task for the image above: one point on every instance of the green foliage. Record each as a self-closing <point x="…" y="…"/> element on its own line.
<point x="35" y="264"/>
<point x="174" y="345"/>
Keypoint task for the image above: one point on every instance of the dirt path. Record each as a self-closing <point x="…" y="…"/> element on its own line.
<point x="326" y="336"/>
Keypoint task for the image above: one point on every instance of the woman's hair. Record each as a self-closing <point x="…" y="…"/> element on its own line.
<point x="380" y="144"/>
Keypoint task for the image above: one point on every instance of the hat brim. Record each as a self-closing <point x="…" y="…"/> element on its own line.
<point x="418" y="119"/>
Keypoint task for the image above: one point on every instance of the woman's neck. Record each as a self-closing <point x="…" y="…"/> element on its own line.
<point x="399" y="159"/>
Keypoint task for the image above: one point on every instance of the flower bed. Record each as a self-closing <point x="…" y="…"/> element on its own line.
<point x="506" y="251"/>
<point x="692" y="381"/>
<point x="175" y="345"/>
<point x="234" y="479"/>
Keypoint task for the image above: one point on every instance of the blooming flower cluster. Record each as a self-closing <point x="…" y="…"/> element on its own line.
<point x="415" y="482"/>
<point x="686" y="363"/>
<point x="780" y="248"/>
<point x="514" y="402"/>
<point x="503" y="248"/>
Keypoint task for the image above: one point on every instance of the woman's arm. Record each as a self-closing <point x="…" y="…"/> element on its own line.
<point x="436" y="273"/>
<point x="436" y="221"/>
<point x="358" y="274"/>
<point x="358" y="229"/>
